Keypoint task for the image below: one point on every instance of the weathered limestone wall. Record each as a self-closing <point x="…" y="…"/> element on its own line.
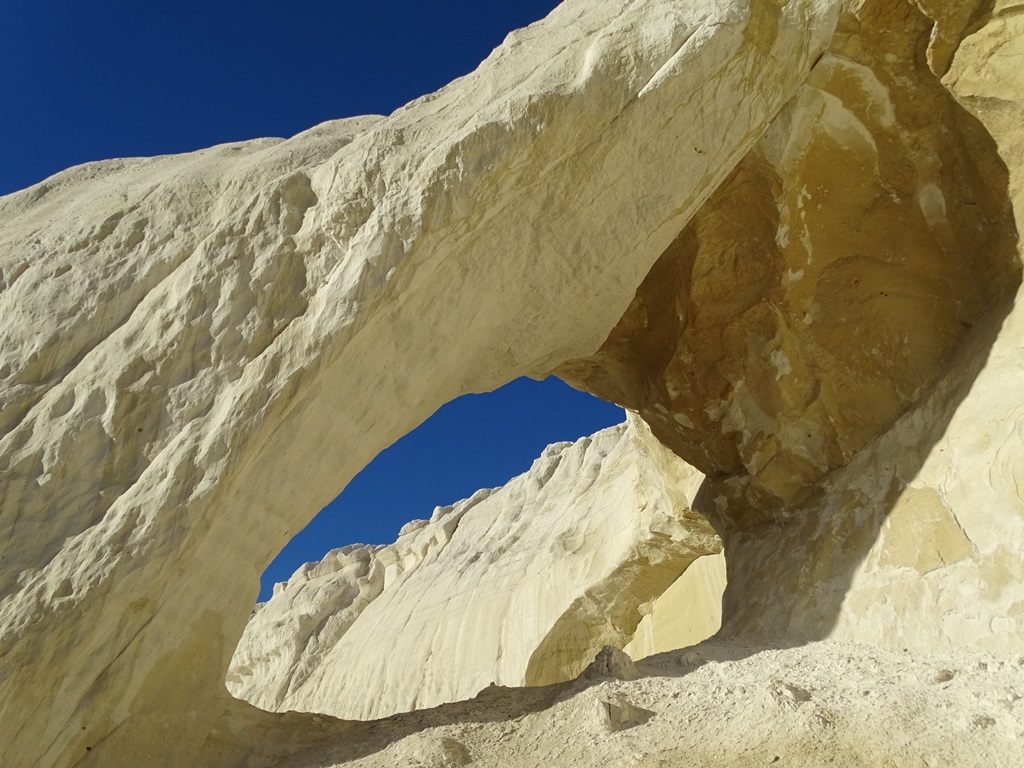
<point x="199" y="351"/>
<point x="875" y="233"/>
<point x="928" y="521"/>
<point x="918" y="542"/>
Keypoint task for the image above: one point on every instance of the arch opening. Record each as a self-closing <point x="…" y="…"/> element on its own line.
<point x="514" y="585"/>
<point x="471" y="443"/>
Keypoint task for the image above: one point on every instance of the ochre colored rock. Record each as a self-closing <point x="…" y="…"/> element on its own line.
<point x="836" y="340"/>
<point x="918" y="541"/>
<point x="827" y="283"/>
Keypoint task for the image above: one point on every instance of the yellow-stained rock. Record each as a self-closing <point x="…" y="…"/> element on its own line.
<point x="826" y="284"/>
<point x="686" y="613"/>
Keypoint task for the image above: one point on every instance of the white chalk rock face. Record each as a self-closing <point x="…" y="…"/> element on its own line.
<point x="199" y="351"/>
<point x="686" y="613"/>
<point x="522" y="584"/>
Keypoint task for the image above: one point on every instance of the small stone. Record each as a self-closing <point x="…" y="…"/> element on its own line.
<point x="444" y="752"/>
<point x="824" y="719"/>
<point x="983" y="721"/>
<point x="611" y="662"/>
<point x="787" y="694"/>
<point x="944" y="676"/>
<point x="618" y="713"/>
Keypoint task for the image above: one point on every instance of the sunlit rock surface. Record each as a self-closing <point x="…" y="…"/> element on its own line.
<point x="522" y="584"/>
<point x="199" y="351"/>
<point x="686" y="613"/>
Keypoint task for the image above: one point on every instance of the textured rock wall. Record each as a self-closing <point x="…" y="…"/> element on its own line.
<point x="189" y="340"/>
<point x="876" y="232"/>
<point x="930" y="516"/>
<point x="199" y="351"/>
<point x="524" y="583"/>
<point x="839" y="364"/>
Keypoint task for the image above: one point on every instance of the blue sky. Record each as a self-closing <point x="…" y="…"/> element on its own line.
<point x="83" y="81"/>
<point x="111" y="78"/>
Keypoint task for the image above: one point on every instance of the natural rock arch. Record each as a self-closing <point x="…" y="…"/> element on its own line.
<point x="188" y="333"/>
<point x="202" y="339"/>
<point x="876" y="257"/>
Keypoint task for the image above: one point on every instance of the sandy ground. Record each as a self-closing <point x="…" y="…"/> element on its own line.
<point x="722" y="704"/>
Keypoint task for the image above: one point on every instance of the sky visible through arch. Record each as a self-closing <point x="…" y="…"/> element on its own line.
<point x="111" y="78"/>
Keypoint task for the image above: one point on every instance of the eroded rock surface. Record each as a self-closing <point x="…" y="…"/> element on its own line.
<point x="686" y="613"/>
<point x="835" y="339"/>
<point x="827" y="283"/>
<point x="918" y="542"/>
<point x="199" y="351"/>
<point x="517" y="585"/>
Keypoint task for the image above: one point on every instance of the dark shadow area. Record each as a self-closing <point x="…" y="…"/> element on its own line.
<point x="787" y="582"/>
<point x="253" y="737"/>
<point x="789" y="577"/>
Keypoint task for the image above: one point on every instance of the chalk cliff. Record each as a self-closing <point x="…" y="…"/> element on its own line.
<point x="785" y="234"/>
<point x="518" y="585"/>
